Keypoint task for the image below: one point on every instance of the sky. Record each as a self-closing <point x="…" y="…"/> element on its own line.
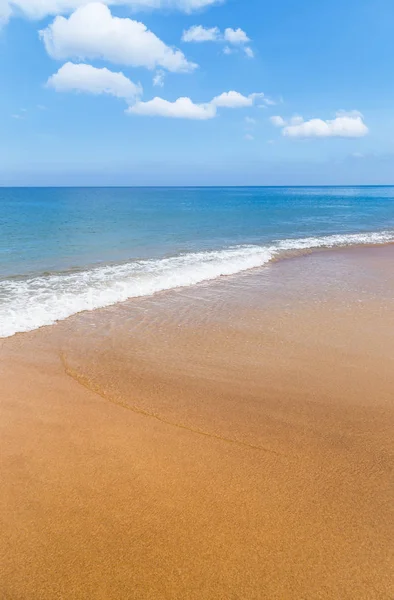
<point x="196" y="92"/>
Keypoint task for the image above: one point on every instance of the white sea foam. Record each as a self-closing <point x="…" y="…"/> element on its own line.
<point x="339" y="240"/>
<point x="30" y="303"/>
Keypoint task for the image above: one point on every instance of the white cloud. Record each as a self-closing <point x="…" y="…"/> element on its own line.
<point x="198" y="33"/>
<point x="249" y="137"/>
<point x="235" y="36"/>
<point x="236" y="100"/>
<point x="88" y="79"/>
<point x="91" y="32"/>
<point x="158" y="79"/>
<point x="345" y="125"/>
<point x="38" y="9"/>
<point x="232" y="100"/>
<point x="277" y="121"/>
<point x="250" y="121"/>
<point x="183" y="108"/>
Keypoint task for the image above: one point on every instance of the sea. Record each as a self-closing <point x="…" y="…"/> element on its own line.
<point x="68" y="250"/>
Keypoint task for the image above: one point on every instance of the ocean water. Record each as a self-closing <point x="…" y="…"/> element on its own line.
<point x="63" y="251"/>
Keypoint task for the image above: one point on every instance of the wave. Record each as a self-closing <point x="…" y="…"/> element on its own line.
<point x="31" y="303"/>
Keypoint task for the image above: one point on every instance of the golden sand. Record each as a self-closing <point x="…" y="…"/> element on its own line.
<point x="233" y="441"/>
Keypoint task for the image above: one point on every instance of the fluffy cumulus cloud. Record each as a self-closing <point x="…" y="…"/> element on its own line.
<point x="185" y="108"/>
<point x="235" y="36"/>
<point x="38" y="9"/>
<point x="344" y="125"/>
<point x="232" y="37"/>
<point x="85" y="78"/>
<point x="235" y="100"/>
<point x="91" y="32"/>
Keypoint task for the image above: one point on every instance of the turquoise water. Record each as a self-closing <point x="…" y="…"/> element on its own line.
<point x="72" y="249"/>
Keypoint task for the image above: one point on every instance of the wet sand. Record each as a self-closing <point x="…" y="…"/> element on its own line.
<point x="228" y="441"/>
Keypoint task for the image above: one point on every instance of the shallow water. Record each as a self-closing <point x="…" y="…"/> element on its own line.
<point x="63" y="251"/>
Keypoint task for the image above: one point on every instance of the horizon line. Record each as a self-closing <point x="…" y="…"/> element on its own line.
<point x="324" y="185"/>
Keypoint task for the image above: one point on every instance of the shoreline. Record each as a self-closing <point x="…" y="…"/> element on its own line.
<point x="277" y="255"/>
<point x="228" y="440"/>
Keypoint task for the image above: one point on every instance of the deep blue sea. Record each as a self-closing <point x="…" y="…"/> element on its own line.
<point x="65" y="250"/>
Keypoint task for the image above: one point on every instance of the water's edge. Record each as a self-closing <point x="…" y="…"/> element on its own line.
<point x="29" y="303"/>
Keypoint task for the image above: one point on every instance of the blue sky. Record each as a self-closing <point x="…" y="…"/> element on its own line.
<point x="311" y="102"/>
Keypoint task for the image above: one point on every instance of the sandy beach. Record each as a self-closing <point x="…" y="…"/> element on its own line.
<point x="228" y="441"/>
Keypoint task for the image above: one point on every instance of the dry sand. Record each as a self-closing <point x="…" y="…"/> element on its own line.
<point x="230" y="441"/>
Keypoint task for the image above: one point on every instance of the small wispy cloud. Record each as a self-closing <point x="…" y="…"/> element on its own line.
<point x="158" y="79"/>
<point x="20" y="115"/>
<point x="250" y="126"/>
<point x="234" y="39"/>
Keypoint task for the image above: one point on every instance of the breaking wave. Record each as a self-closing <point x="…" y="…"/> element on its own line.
<point x="32" y="302"/>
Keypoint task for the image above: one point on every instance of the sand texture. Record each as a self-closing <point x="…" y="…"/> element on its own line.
<point x="230" y="441"/>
